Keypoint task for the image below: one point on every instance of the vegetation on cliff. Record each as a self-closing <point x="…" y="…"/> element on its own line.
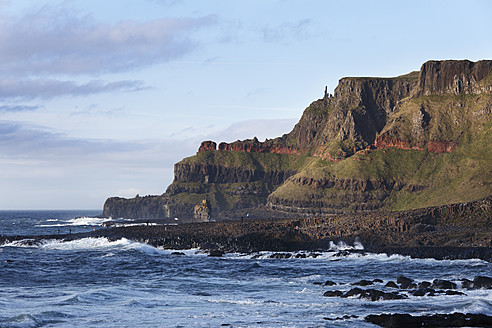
<point x="417" y="140"/>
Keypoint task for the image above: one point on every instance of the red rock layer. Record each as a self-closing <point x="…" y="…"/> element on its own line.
<point x="384" y="142"/>
<point x="441" y="146"/>
<point x="207" y="145"/>
<point x="322" y="153"/>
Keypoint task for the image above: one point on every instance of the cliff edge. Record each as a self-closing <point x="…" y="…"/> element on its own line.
<point x="394" y="144"/>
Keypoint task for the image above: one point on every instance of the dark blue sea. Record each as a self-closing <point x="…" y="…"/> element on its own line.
<point x="101" y="283"/>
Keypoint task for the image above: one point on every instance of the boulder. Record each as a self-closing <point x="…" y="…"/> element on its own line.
<point x="404" y="282"/>
<point x="333" y="293"/>
<point x="443" y="284"/>
<point x="216" y="253"/>
<point x="424" y="284"/>
<point x="391" y="284"/>
<point x="362" y="282"/>
<point x="329" y="283"/>
<point x="482" y="282"/>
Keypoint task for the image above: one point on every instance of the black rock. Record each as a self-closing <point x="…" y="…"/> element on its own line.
<point x="363" y="282"/>
<point x="466" y="283"/>
<point x="333" y="293"/>
<point x="424" y="284"/>
<point x="329" y="283"/>
<point x="404" y="282"/>
<point x="376" y="295"/>
<point x="216" y="253"/>
<point x="353" y="292"/>
<point x="300" y="256"/>
<point x="482" y="282"/>
<point x="391" y="284"/>
<point x="418" y="292"/>
<point x="443" y="284"/>
<point x="393" y="320"/>
<point x="281" y="256"/>
<point x="454" y="292"/>
<point x="377" y="280"/>
<point x="317" y="283"/>
<point x="178" y="253"/>
<point x="435" y="320"/>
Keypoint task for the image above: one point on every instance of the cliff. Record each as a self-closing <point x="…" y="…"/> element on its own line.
<point x="417" y="140"/>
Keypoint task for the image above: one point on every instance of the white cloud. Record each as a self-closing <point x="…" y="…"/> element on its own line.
<point x="55" y="40"/>
<point x="254" y="128"/>
<point x="17" y="108"/>
<point x="49" y="88"/>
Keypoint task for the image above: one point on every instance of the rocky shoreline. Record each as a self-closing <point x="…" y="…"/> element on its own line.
<point x="399" y="236"/>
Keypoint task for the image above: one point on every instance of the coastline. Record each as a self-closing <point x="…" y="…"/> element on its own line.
<point x="405" y="236"/>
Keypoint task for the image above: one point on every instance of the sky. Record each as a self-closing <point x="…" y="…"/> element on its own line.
<point x="102" y="98"/>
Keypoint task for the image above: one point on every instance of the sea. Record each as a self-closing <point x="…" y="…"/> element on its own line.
<point x="96" y="282"/>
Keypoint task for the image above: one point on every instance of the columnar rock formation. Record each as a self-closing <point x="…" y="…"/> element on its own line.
<point x="416" y="140"/>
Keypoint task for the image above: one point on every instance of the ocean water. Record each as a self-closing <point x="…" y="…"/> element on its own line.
<point x="94" y="282"/>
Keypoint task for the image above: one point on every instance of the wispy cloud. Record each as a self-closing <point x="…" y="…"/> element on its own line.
<point x="20" y="141"/>
<point x="57" y="40"/>
<point x="18" y="108"/>
<point x="36" y="49"/>
<point x="288" y="32"/>
<point x="50" y="88"/>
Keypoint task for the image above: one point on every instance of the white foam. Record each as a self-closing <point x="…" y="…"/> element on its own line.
<point x="341" y="246"/>
<point x="83" y="244"/>
<point x="80" y="221"/>
<point x="20" y="243"/>
<point x="86" y="221"/>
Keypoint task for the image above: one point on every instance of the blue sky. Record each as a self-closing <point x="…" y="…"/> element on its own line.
<point x="101" y="98"/>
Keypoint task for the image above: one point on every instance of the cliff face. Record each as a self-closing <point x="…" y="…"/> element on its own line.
<point x="356" y="112"/>
<point x="417" y="140"/>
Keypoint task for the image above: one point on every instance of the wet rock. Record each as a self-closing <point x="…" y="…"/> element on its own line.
<point x="418" y="292"/>
<point x="482" y="282"/>
<point x="216" y="253"/>
<point x="454" y="292"/>
<point x="329" y="283"/>
<point x="281" y="256"/>
<point x="443" y="284"/>
<point x="404" y="282"/>
<point x="317" y="283"/>
<point x="362" y="282"/>
<point x="345" y="317"/>
<point x="466" y="283"/>
<point x="353" y="292"/>
<point x="424" y="284"/>
<point x="393" y="320"/>
<point x="376" y="295"/>
<point x="333" y="293"/>
<point x="300" y="256"/>
<point x="435" y="320"/>
<point x="178" y="253"/>
<point x="377" y="280"/>
<point x="391" y="284"/>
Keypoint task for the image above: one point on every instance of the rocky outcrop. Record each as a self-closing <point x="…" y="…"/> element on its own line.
<point x="207" y="145"/>
<point x="454" y="77"/>
<point x="216" y="173"/>
<point x="254" y="146"/>
<point x="357" y="111"/>
<point x="344" y="154"/>
<point x="147" y="207"/>
<point x="251" y="146"/>
<point x="202" y="211"/>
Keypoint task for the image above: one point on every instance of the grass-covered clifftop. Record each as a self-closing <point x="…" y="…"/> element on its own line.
<point x="417" y="140"/>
